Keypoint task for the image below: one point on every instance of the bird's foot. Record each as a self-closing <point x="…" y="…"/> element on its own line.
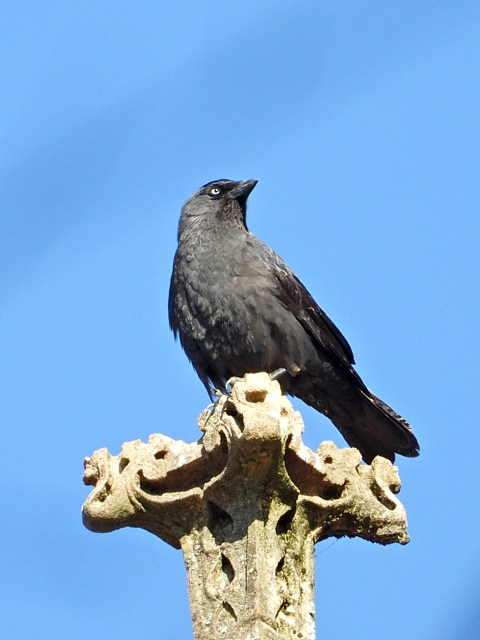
<point x="218" y="393"/>
<point x="278" y="373"/>
<point x="230" y="382"/>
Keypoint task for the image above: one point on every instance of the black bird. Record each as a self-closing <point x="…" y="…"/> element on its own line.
<point x="238" y="308"/>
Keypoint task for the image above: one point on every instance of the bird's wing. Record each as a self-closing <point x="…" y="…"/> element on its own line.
<point x="295" y="297"/>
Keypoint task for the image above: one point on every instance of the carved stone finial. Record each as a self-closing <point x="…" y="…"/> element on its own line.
<point x="246" y="503"/>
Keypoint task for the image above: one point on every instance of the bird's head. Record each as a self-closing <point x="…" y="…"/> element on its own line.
<point x="217" y="204"/>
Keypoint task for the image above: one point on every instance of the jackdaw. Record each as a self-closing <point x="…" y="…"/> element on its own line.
<point x="238" y="308"/>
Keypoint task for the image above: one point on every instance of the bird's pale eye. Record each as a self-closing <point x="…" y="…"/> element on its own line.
<point x="215" y="191"/>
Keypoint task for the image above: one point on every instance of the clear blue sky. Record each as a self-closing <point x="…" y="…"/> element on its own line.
<point x="361" y="121"/>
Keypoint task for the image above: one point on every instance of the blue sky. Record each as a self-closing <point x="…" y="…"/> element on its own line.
<point x="361" y="121"/>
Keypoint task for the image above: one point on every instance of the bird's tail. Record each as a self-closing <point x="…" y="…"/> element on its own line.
<point x="371" y="426"/>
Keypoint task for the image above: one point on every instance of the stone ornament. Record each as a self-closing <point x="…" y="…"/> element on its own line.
<point x="246" y="504"/>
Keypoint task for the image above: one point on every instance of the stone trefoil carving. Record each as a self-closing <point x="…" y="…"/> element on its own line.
<point x="246" y="504"/>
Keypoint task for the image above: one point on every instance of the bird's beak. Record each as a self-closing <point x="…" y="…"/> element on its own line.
<point x="242" y="189"/>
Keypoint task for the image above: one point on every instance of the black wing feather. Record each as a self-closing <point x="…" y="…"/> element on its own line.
<point x="297" y="298"/>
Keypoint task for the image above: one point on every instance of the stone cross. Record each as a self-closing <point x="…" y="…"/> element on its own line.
<point x="246" y="504"/>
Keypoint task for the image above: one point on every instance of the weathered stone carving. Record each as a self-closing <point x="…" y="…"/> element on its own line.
<point x="246" y="504"/>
